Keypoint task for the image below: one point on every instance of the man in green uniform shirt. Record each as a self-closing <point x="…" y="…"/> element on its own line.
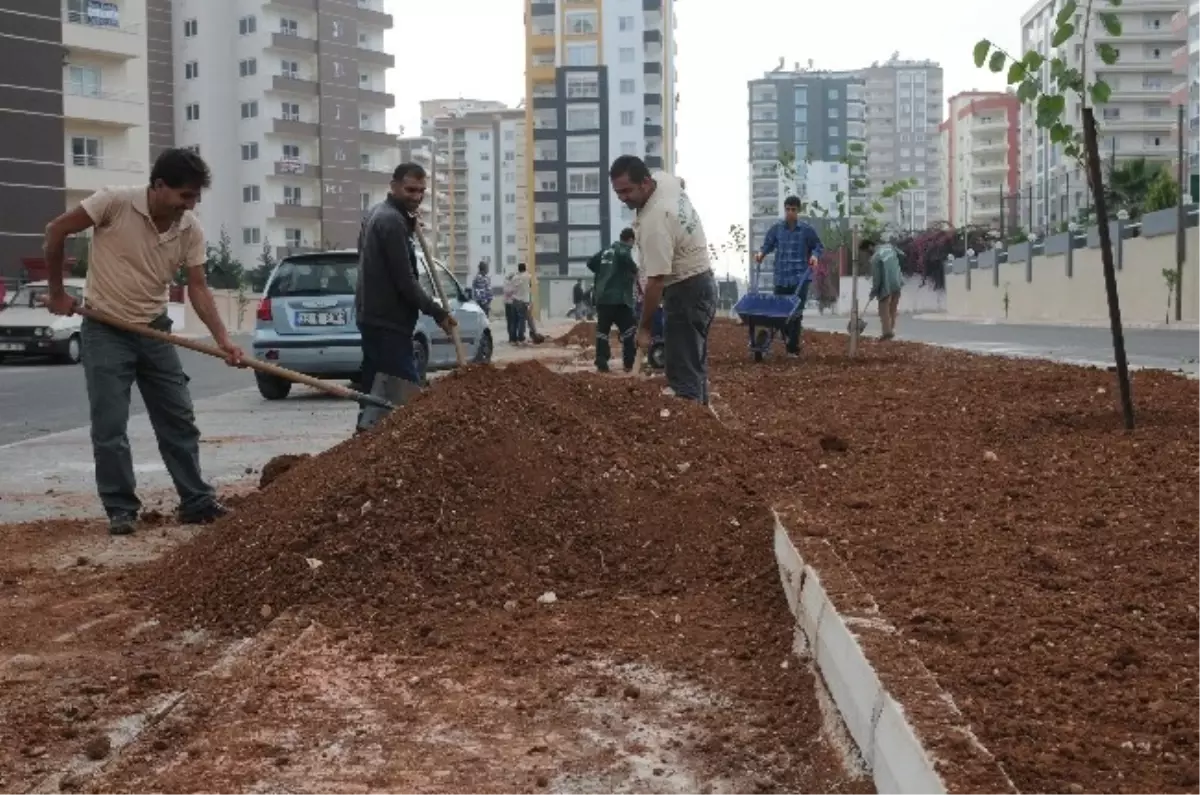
<point x="616" y="273"/>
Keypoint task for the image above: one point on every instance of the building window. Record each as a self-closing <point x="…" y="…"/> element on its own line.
<point x="289" y="69"/>
<point x="583" y="243"/>
<point x="801" y="94"/>
<point x="250" y="151"/>
<point x="628" y="86"/>
<point x="627" y="55"/>
<point x="580" y="23"/>
<point x="583" y="212"/>
<point x="364" y="160"/>
<point x="583" y="85"/>
<point x="833" y="131"/>
<point x="250" y="109"/>
<point x="192" y="111"/>
<point x="485" y="177"/>
<point x="364" y="201"/>
<point x="833" y="93"/>
<point x="86" y="151"/>
<point x="510" y="198"/>
<point x="834" y="113"/>
<point x="625" y="24"/>
<point x="250" y="194"/>
<point x="289" y="27"/>
<point x="485" y="218"/>
<point x="485" y="197"/>
<point x="582" y="53"/>
<point x="290" y="111"/>
<point x="293" y="238"/>
<point x="291" y="152"/>
<point x="247" y="25"/>
<point x="84" y="81"/>
<point x="583" y="117"/>
<point x="291" y="195"/>
<point x="251" y="236"/>
<point x="583" y="180"/>
<point x="629" y="147"/>
<point x="247" y="67"/>
<point x="191" y="70"/>
<point x="628" y="117"/>
<point x="583" y="149"/>
<point x="190" y="28"/>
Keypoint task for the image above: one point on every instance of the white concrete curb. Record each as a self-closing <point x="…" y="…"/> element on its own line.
<point x="1101" y="324"/>
<point x="889" y="746"/>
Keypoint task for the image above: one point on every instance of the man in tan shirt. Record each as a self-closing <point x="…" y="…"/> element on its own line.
<point x="142" y="236"/>
<point x="673" y="255"/>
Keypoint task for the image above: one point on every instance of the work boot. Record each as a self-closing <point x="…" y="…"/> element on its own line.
<point x="205" y="514"/>
<point x="392" y="388"/>
<point x="121" y="523"/>
<point x="603" y="353"/>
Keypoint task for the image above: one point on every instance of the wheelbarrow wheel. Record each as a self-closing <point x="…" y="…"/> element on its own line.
<point x="657" y="357"/>
<point x="762" y="340"/>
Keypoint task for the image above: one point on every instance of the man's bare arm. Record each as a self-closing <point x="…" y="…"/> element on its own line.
<point x="54" y="246"/>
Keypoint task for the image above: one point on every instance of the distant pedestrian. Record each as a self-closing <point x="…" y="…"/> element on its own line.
<point x="674" y="256"/>
<point x="797" y="248"/>
<point x="616" y="274"/>
<point x="142" y="235"/>
<point x="522" y="296"/>
<point x="887" y="279"/>
<point x="481" y="289"/>
<point x="510" y="308"/>
<point x="579" y="296"/>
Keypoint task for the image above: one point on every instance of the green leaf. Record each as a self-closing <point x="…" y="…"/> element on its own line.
<point x="855" y="147"/>
<point x="1016" y="72"/>
<point x="982" y="48"/>
<point x="1033" y="60"/>
<point x="1065" y="13"/>
<point x="1108" y="53"/>
<point x="1111" y="22"/>
<point x="1061" y="34"/>
<point x="1060" y="133"/>
<point x="996" y="63"/>
<point x="877" y="207"/>
<point x="1028" y="91"/>
<point x="1049" y="108"/>
<point x="1115" y="3"/>
<point x="1100" y="91"/>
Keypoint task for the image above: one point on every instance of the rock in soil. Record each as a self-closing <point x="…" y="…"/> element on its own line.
<point x="98" y="747"/>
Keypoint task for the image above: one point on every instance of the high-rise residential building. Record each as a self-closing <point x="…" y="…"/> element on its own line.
<point x="81" y="79"/>
<point x="479" y="211"/>
<point x="1137" y="121"/>
<point x="600" y="82"/>
<point x="285" y="100"/>
<point x="1186" y="63"/>
<point x="904" y="111"/>
<point x="419" y="149"/>
<point x="813" y="117"/>
<point x="434" y="109"/>
<point x="980" y="158"/>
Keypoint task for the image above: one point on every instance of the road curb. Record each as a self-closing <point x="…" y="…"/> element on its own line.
<point x="1087" y="324"/>
<point x="946" y="756"/>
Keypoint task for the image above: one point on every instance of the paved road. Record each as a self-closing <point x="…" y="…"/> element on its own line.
<point x="1162" y="349"/>
<point x="37" y="398"/>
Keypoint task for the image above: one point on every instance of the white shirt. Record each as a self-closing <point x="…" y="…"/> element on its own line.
<point x="670" y="237"/>
<point x="521" y="286"/>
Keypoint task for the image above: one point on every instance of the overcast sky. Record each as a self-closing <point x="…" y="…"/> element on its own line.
<point x="476" y="48"/>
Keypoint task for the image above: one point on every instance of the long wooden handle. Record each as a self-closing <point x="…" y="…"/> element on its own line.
<point x="328" y="387"/>
<point x="459" y="351"/>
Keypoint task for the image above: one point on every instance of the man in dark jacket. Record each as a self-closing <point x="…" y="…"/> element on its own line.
<point x="616" y="273"/>
<point x="389" y="298"/>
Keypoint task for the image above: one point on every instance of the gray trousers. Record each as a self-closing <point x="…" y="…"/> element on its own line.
<point x="689" y="307"/>
<point x="112" y="361"/>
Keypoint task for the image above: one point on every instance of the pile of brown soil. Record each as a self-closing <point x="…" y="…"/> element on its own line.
<point x="277" y="466"/>
<point x="562" y="485"/>
<point x="582" y="333"/>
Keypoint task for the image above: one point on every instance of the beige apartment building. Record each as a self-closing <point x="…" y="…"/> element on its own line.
<point x="980" y="159"/>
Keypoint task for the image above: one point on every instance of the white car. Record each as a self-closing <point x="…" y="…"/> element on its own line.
<point x="27" y="328"/>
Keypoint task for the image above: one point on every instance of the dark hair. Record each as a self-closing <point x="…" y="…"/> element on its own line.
<point x="792" y="201"/>
<point x="866" y="244"/>
<point x="521" y="267"/>
<point x="180" y="168"/>
<point x="629" y="166"/>
<point x="403" y="170"/>
<point x="626" y="234"/>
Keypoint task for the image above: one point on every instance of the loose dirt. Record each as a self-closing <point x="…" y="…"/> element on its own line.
<point x="1039" y="560"/>
<point x="582" y="333"/>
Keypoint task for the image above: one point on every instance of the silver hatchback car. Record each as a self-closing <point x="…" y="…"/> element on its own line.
<point x="306" y="322"/>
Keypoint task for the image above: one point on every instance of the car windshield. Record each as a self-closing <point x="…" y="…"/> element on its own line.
<point x="32" y="297"/>
<point x="314" y="276"/>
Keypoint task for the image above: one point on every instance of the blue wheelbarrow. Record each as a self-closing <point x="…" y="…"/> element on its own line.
<point x="656" y="356"/>
<point x="766" y="315"/>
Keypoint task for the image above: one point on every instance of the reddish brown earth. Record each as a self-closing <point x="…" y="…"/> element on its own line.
<point x="582" y="333"/>
<point x="1040" y="560"/>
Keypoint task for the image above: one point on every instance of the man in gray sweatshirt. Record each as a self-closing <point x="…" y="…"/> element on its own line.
<point x="389" y="299"/>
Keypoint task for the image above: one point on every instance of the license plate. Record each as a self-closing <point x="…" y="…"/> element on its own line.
<point x="335" y="317"/>
<point x="11" y="346"/>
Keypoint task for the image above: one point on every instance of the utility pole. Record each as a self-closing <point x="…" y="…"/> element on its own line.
<point x="1180" y="223"/>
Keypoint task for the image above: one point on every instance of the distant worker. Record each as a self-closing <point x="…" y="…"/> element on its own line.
<point x="886" y="281"/>
<point x="797" y="248"/>
<point x="481" y="289"/>
<point x="510" y="308"/>
<point x="674" y="256"/>
<point x="142" y="235"/>
<point x="522" y="289"/>
<point x="389" y="299"/>
<point x="616" y="275"/>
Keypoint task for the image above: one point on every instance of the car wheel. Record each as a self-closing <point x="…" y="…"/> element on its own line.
<point x="483" y="351"/>
<point x="74" y="352"/>
<point x="272" y="388"/>
<point x="421" y="355"/>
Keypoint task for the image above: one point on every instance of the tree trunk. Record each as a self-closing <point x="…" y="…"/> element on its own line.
<point x="1092" y="152"/>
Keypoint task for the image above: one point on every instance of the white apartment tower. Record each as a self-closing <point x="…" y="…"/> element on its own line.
<point x="1137" y="121"/>
<point x="285" y="100"/>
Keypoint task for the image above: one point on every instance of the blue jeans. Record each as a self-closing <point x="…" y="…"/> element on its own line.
<point x="521" y="321"/>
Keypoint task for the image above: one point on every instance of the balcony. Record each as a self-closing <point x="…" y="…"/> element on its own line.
<point x="1164" y="122"/>
<point x="991" y="145"/>
<point x="1139" y="93"/>
<point x="294" y="128"/>
<point x="652" y="68"/>
<point x="369" y="13"/>
<point x="296" y="168"/>
<point x="294" y="85"/>
<point x="90" y="174"/>
<point x="376" y="137"/>
<point x="989" y="127"/>
<point x="989" y="167"/>
<point x="293" y="43"/>
<point x="121" y="109"/>
<point x="86" y="34"/>
<point x="297" y="212"/>
<point x="371" y="97"/>
<point x="375" y="176"/>
<point x="376" y="57"/>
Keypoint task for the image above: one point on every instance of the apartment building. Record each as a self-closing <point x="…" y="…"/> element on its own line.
<point x="904" y="110"/>
<point x="600" y="82"/>
<point x="480" y="191"/>
<point x="1186" y="63"/>
<point x="286" y="101"/>
<point x="1137" y="121"/>
<point x="815" y="117"/>
<point x="80" y="79"/>
<point x="434" y="109"/>
<point x="981" y="158"/>
<point x="419" y="149"/>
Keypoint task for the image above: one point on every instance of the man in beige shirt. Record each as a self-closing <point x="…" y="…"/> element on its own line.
<point x="142" y="236"/>
<point x="673" y="255"/>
